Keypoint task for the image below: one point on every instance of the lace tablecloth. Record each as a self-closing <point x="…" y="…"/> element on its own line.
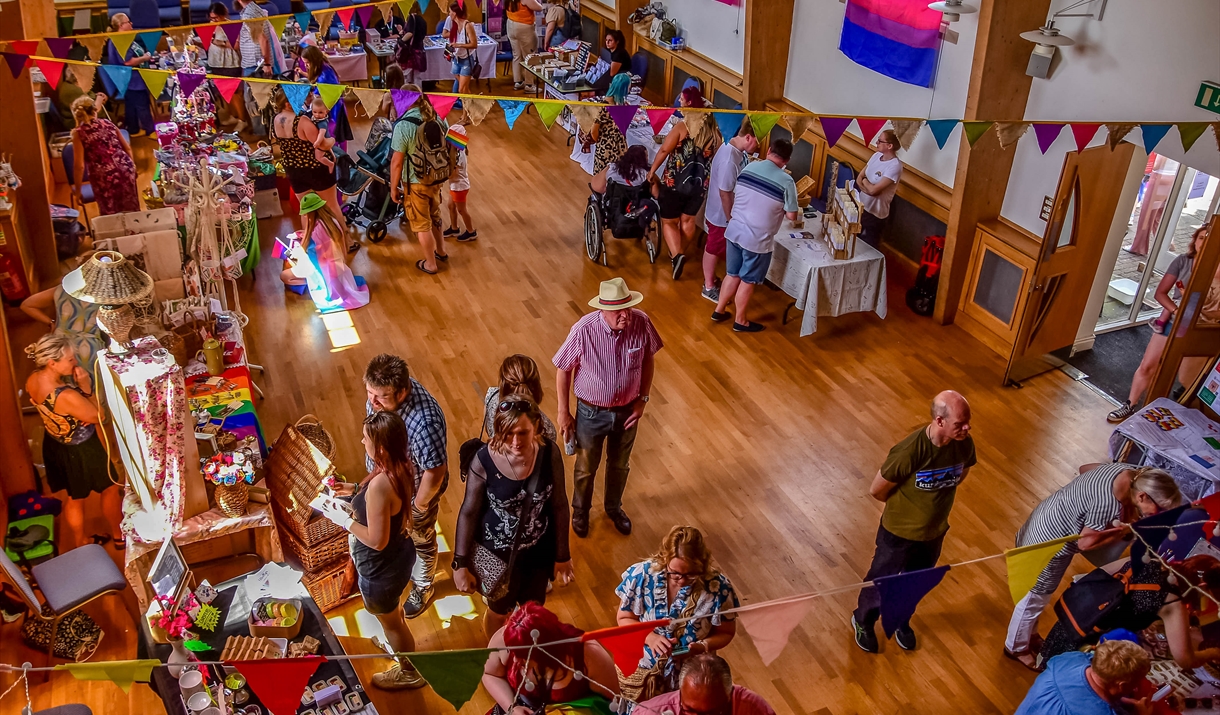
<point x="1177" y="439"/>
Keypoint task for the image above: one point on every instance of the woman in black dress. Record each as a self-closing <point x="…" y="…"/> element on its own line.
<point x="497" y="521"/>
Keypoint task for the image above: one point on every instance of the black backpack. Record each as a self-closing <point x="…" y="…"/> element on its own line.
<point x="1086" y="606"/>
<point x="921" y="297"/>
<point x="690" y="179"/>
<point x="571" y="24"/>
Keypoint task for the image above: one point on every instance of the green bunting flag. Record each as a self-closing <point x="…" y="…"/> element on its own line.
<point x="454" y="675"/>
<point x="155" y="81"/>
<point x="548" y="112"/>
<point x="974" y="130"/>
<point x="762" y="124"/>
<point x="120" y="672"/>
<point x="331" y="93"/>
<point x="1189" y="133"/>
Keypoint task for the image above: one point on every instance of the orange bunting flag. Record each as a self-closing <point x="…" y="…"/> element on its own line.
<point x="625" y="643"/>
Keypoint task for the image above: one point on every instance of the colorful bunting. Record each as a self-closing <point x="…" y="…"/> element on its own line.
<point x="227" y="86"/>
<point x="941" y="129"/>
<point x="1116" y="133"/>
<point x="657" y="118"/>
<point x="232" y="31"/>
<point x="694" y="121"/>
<point x="1009" y="132"/>
<point x="279" y="683"/>
<point x="1047" y="134"/>
<point x="443" y="104"/>
<point x="261" y="92"/>
<point x="454" y="675"/>
<point x="548" y="112"/>
<point x="188" y="82"/>
<point x="833" y="128"/>
<point x="907" y="130"/>
<point x="625" y="643"/>
<point x="403" y="100"/>
<point x="729" y="123"/>
<point x="404" y="6"/>
<point x="59" y="46"/>
<point x="278" y="23"/>
<point x="150" y="39"/>
<point x="370" y="99"/>
<point x="345" y="17"/>
<point x="120" y="672"/>
<point x="512" y="110"/>
<point x="1026" y="562"/>
<point x="476" y="109"/>
<point x="586" y="115"/>
<point x="302" y="19"/>
<point x="869" y="126"/>
<point x="1083" y="134"/>
<point x="1189" y="133"/>
<point x="207" y="35"/>
<point x="900" y="595"/>
<point x="23" y="47"/>
<point x="622" y="114"/>
<point x="94" y="44"/>
<point x="798" y="124"/>
<point x="296" y="94"/>
<point x="155" y="81"/>
<point x="330" y="93"/>
<point x="770" y="627"/>
<point x="84" y="75"/>
<point x="53" y="70"/>
<point x="1153" y="134"/>
<point x="122" y="41"/>
<point x="119" y="76"/>
<point x="365" y="13"/>
<point x="974" y="130"/>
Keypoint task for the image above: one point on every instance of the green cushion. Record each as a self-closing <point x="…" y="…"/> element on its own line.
<point x="44" y="549"/>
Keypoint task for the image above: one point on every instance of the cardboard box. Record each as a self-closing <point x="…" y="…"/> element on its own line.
<point x="267" y="204"/>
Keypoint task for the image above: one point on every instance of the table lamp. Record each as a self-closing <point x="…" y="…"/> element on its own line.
<point x="113" y="282"/>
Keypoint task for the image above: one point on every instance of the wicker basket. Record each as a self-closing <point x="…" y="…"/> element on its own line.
<point x="295" y="471"/>
<point x="326" y="587"/>
<point x="232" y="499"/>
<point x="311" y="427"/>
<point x="319" y="556"/>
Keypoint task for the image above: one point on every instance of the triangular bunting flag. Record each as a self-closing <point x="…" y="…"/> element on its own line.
<point x="762" y="124"/>
<point x="442" y="104"/>
<point x="625" y="643"/>
<point x="370" y="99"/>
<point x="833" y="128"/>
<point x="122" y="41"/>
<point x="694" y="121"/>
<point x="296" y="94"/>
<point x="454" y="674"/>
<point x="974" y="130"/>
<point x="1083" y="134"/>
<point x="155" y="81"/>
<point x="188" y="82"/>
<point x="120" y="76"/>
<point x="365" y="13"/>
<point x="227" y="86"/>
<point x="548" y="112"/>
<point x="232" y="31"/>
<point x="586" y="116"/>
<point x="622" y="114"/>
<point x="323" y="18"/>
<point x="512" y="110"/>
<point x="53" y="70"/>
<point x="150" y="39"/>
<point x="941" y="129"/>
<point x="1116" y="133"/>
<point x="1026" y="563"/>
<point x="331" y="93"/>
<point x="770" y="626"/>
<point x="1009" y="132"/>
<point x="206" y="34"/>
<point x="278" y="683"/>
<point x="94" y="44"/>
<point x="907" y="130"/>
<point x="1047" y="134"/>
<point x="476" y="109"/>
<point x="1153" y="134"/>
<point x="403" y="100"/>
<point x="729" y="123"/>
<point x="869" y="126"/>
<point x="404" y="6"/>
<point x="261" y="91"/>
<point x="24" y="47"/>
<point x="345" y="17"/>
<point x="59" y="46"/>
<point x="120" y="672"/>
<point x="84" y="74"/>
<point x="900" y="595"/>
<point x="1153" y="532"/>
<point x="658" y="117"/>
<point x="302" y="19"/>
<point x="278" y="23"/>
<point x="443" y="6"/>
<point x="1189" y="133"/>
<point x="798" y="124"/>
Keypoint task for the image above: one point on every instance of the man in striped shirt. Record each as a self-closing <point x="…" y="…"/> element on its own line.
<point x="607" y="361"/>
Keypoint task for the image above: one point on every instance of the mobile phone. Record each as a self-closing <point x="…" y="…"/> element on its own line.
<point x="680" y="651"/>
<point x="1162" y="693"/>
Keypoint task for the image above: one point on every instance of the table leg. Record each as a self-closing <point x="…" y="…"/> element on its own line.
<point x="791" y="305"/>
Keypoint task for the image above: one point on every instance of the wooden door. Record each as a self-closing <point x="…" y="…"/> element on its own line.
<point x="1068" y="258"/>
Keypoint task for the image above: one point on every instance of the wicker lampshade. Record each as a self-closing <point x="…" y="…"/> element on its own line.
<point x="110" y="279"/>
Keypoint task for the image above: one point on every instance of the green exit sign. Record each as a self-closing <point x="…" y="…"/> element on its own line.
<point x="1209" y="97"/>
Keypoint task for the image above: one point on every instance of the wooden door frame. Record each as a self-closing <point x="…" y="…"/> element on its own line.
<point x="1189" y="339"/>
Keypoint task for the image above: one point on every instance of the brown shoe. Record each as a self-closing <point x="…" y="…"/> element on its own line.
<point x="1026" y="658"/>
<point x="399" y="678"/>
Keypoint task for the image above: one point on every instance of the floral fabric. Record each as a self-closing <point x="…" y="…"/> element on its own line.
<point x="112" y="173"/>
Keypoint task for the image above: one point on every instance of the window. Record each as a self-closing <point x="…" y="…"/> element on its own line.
<point x="998" y="286"/>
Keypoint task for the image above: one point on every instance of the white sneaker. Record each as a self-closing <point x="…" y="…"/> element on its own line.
<point x="399" y="678"/>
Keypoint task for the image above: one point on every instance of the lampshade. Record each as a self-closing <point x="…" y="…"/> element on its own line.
<point x="1048" y="35"/>
<point x="110" y="279"/>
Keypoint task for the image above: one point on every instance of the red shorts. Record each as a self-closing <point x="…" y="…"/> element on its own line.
<point x="458" y="197"/>
<point x="715" y="241"/>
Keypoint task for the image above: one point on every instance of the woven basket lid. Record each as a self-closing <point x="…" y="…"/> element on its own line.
<point x="110" y="279"/>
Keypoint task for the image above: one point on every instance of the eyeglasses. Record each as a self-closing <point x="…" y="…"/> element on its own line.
<point x="679" y="576"/>
<point x="518" y="405"/>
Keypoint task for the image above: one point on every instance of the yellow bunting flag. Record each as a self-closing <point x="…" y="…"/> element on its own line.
<point x="798" y="124"/>
<point x="1190" y="133"/>
<point x="762" y="124"/>
<point x="404" y="6"/>
<point x="121" y="672"/>
<point x="974" y="130"/>
<point x="122" y="41"/>
<point x="586" y="116"/>
<point x="370" y="99"/>
<point x="155" y="81"/>
<point x="261" y="92"/>
<point x="1026" y="563"/>
<point x="330" y="93"/>
<point x="1009" y="132"/>
<point x="907" y="130"/>
<point x="477" y="109"/>
<point x="278" y="23"/>
<point x="548" y="112"/>
<point x="95" y="44"/>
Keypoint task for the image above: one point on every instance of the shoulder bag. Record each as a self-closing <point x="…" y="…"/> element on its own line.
<point x="494" y="572"/>
<point x="470" y="448"/>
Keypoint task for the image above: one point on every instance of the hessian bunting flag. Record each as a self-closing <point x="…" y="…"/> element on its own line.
<point x="122" y="672"/>
<point x="771" y="626"/>
<point x="548" y="112"/>
<point x="331" y="93"/>
<point x="1083" y="134"/>
<point x="279" y="682"/>
<point x="625" y="643"/>
<point x="155" y="81"/>
<point x="477" y="109"/>
<point x="1047" y="134"/>
<point x="586" y="116"/>
<point x="869" y="126"/>
<point x="1009" y="132"/>
<point x="941" y="129"/>
<point x="94" y="44"/>
<point x="1153" y="134"/>
<point x="370" y="99"/>
<point x="512" y="110"/>
<point x="729" y="123"/>
<point x="907" y="130"/>
<point x="900" y="594"/>
<point x="833" y="128"/>
<point x="798" y="124"/>
<point x="898" y="38"/>
<point x="84" y="74"/>
<point x="455" y="674"/>
<point x="1026" y="562"/>
<point x="656" y="118"/>
<point x="227" y="86"/>
<point x="762" y="124"/>
<point x="53" y="70"/>
<point x="442" y="104"/>
<point x="622" y="115"/>
<point x="261" y="92"/>
<point x="1116" y="132"/>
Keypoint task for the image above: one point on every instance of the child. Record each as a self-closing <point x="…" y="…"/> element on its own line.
<point x="322" y="145"/>
<point x="459" y="186"/>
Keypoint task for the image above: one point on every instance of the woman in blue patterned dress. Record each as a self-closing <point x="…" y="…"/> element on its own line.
<point x="679" y="581"/>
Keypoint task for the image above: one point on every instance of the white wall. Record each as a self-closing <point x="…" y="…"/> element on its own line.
<point x="822" y="79"/>
<point x="713" y="29"/>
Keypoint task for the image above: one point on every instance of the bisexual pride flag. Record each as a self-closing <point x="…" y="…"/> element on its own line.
<point x="898" y="38"/>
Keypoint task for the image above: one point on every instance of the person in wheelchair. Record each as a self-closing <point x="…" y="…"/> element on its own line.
<point x="622" y="201"/>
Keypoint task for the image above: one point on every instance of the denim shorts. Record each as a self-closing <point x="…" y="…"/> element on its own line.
<point x="749" y="266"/>
<point x="462" y="67"/>
<point x="381" y="596"/>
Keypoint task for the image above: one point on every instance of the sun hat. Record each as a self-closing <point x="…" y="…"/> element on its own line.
<point x="614" y="295"/>
<point x="457" y="136"/>
<point x="311" y="202"/>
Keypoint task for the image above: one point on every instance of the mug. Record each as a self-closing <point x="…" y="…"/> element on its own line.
<point x="211" y="711"/>
<point x="199" y="702"/>
<point x="191" y="683"/>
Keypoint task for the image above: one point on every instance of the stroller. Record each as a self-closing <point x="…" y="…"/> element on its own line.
<point x="628" y="212"/>
<point x="364" y="183"/>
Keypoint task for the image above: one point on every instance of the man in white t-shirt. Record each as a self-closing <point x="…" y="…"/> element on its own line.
<point x="730" y="159"/>
<point x="765" y="195"/>
<point x="876" y="186"/>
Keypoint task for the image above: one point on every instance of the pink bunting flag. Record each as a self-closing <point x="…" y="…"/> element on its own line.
<point x="658" y="117"/>
<point x="227" y="87"/>
<point x="770" y="626"/>
<point x="869" y="126"/>
<point x="232" y="31"/>
<point x="622" y="115"/>
<point x="345" y="16"/>
<point x="403" y="99"/>
<point x="1083" y="134"/>
<point x="833" y="128"/>
<point x="24" y="47"/>
<point x="188" y="82"/>
<point x="442" y="104"/>
<point x="52" y="70"/>
<point x="278" y="683"/>
<point x="1047" y="134"/>
<point x="60" y="46"/>
<point x="625" y="643"/>
<point x="365" y="13"/>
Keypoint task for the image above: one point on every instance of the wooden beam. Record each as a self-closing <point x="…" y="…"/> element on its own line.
<point x="622" y="10"/>
<point x="768" y="36"/>
<point x="999" y="90"/>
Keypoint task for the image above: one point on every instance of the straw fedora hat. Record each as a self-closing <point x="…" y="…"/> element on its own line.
<point x="614" y="295"/>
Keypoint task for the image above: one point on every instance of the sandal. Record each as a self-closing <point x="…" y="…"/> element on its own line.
<point x="443" y="259"/>
<point x="421" y="265"/>
<point x="1035" y="666"/>
<point x="120" y="543"/>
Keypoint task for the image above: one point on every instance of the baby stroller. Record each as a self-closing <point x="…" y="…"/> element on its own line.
<point x="628" y="211"/>
<point x="364" y="184"/>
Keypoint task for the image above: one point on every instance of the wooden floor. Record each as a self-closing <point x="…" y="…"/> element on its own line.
<point x="765" y="442"/>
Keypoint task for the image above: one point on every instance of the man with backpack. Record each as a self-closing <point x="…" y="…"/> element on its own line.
<point x="421" y="164"/>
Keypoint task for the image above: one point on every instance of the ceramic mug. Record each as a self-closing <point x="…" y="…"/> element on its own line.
<point x="211" y="711"/>
<point x="191" y="683"/>
<point x="199" y="702"/>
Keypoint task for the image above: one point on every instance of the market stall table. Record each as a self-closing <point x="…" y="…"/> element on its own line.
<point x="638" y="134"/>
<point x="1172" y="437"/>
<point x="804" y="268"/>
<point x="351" y="67"/>
<point x="440" y="68"/>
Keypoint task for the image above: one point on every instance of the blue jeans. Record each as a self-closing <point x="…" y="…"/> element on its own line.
<point x="462" y="67"/>
<point x="747" y="265"/>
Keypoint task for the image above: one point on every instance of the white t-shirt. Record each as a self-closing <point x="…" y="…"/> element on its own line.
<point x="613" y="175"/>
<point x="764" y="193"/>
<point x="726" y="165"/>
<point x="874" y="171"/>
<point x="462" y="181"/>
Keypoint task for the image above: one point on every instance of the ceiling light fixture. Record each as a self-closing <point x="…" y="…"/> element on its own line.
<point x="1047" y="38"/>
<point x="952" y="9"/>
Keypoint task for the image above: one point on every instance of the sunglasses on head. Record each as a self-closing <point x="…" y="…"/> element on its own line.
<point x="518" y="405"/>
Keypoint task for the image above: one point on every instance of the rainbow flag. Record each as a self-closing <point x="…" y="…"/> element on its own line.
<point x="898" y="38"/>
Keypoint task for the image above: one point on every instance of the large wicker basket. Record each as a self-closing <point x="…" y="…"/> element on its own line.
<point x="311" y="427"/>
<point x="326" y="587"/>
<point x="295" y="471"/>
<point x="319" y="556"/>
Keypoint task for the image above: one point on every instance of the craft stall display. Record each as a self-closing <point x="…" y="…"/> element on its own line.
<point x="639" y="131"/>
<point x="1170" y="436"/>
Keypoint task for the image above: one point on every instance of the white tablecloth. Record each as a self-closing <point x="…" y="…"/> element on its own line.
<point x="441" y="69"/>
<point x="1175" y="439"/>
<point x="350" y="68"/>
<point x="820" y="285"/>
<point x="638" y="134"/>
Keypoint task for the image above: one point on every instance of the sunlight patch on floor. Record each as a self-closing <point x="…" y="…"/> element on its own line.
<point x="341" y="330"/>
<point x="367" y="626"/>
<point x="451" y="607"/>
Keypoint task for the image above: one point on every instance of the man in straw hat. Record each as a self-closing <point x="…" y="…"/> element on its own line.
<point x="607" y="361"/>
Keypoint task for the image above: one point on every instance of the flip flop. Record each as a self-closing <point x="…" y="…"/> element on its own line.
<point x="443" y="259"/>
<point x="423" y="267"/>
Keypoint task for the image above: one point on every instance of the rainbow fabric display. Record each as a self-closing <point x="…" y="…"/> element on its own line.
<point x="898" y="38"/>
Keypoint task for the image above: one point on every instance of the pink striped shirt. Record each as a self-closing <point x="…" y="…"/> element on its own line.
<point x="608" y="364"/>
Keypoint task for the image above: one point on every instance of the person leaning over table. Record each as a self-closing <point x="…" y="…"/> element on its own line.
<point x="1104" y="682"/>
<point x="876" y="185"/>
<point x="137" y="99"/>
<point x="679" y="581"/>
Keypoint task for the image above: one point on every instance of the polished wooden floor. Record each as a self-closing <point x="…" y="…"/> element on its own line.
<point x="766" y="442"/>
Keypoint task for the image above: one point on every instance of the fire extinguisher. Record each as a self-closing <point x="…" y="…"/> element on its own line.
<point x="12" y="281"/>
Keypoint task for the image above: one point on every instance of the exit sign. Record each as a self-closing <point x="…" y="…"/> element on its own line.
<point x="1209" y="97"/>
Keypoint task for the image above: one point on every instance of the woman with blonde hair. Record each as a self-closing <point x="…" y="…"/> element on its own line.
<point x="74" y="458"/>
<point x="679" y="581"/>
<point x="100" y="151"/>
<point x="518" y="376"/>
<point x="323" y="268"/>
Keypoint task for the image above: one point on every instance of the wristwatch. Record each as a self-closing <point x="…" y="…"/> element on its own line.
<point x="459" y="562"/>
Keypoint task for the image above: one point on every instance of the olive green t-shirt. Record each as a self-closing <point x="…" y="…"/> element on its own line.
<point x="927" y="477"/>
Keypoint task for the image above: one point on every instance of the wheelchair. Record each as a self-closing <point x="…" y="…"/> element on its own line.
<point x="628" y="212"/>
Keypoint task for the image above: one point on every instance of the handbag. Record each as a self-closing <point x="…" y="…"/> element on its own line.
<point x="493" y="571"/>
<point x="76" y="638"/>
<point x="470" y="448"/>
